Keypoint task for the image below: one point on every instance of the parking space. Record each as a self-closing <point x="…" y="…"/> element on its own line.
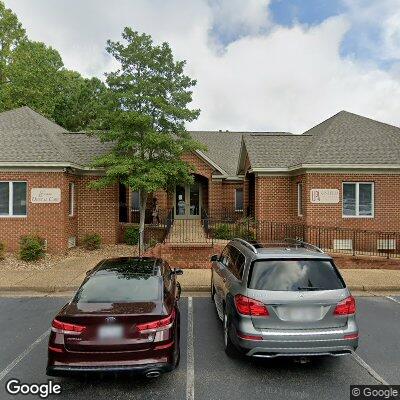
<point x="211" y="373"/>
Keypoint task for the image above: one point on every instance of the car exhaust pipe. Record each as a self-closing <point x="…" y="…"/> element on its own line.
<point x="153" y="374"/>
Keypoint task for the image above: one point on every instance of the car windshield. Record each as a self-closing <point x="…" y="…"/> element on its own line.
<point x="119" y="288"/>
<point x="294" y="275"/>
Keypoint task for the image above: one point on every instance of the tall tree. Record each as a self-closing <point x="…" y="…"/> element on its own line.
<point x="33" y="76"/>
<point x="11" y="34"/>
<point x="146" y="121"/>
<point x="80" y="102"/>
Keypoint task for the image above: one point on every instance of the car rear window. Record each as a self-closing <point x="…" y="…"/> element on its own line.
<point x="294" y="275"/>
<point x="119" y="288"/>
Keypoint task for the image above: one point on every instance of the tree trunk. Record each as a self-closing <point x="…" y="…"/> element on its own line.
<point x="143" y="200"/>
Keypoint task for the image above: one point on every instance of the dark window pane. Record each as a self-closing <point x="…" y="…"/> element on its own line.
<point x="19" y="198"/>
<point x="135" y="201"/>
<point x="119" y="288"/>
<point x="294" y="275"/>
<point x="365" y="199"/>
<point x="349" y="199"/>
<point x="239" y="200"/>
<point x="71" y="199"/>
<point x="4" y="198"/>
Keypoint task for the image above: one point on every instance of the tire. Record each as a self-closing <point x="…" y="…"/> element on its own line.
<point x="212" y="290"/>
<point x="177" y="355"/>
<point x="230" y="349"/>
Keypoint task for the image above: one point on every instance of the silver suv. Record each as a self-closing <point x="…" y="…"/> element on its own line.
<point x="284" y="299"/>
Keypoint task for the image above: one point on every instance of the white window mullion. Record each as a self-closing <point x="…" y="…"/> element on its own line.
<point x="10" y="198"/>
<point x="357" y="200"/>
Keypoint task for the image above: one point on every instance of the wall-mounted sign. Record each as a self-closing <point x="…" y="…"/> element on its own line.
<point x="324" y="196"/>
<point x="45" y="195"/>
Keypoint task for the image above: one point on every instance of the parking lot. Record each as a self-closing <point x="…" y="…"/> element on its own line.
<point x="205" y="372"/>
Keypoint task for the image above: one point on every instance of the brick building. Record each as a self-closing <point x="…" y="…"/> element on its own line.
<point x="343" y="172"/>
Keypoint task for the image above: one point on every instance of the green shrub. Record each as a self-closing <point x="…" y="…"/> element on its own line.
<point x="223" y="231"/>
<point x="131" y="235"/>
<point x="32" y="248"/>
<point x="92" y="241"/>
<point x="2" y="251"/>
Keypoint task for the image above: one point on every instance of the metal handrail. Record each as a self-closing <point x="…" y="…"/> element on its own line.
<point x="304" y="244"/>
<point x="247" y="244"/>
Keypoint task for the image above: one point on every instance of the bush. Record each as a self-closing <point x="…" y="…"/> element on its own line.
<point x="223" y="231"/>
<point x="2" y="251"/>
<point x="131" y="235"/>
<point x="92" y="241"/>
<point x="32" y="248"/>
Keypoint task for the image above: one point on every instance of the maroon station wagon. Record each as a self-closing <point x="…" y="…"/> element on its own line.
<point x="124" y="317"/>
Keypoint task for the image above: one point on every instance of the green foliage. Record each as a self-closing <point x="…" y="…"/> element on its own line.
<point x="2" y="251"/>
<point x="91" y="241"/>
<point x="131" y="235"/>
<point x="11" y="34"/>
<point x="32" y="248"/>
<point x="228" y="231"/>
<point x="223" y="231"/>
<point x="152" y="242"/>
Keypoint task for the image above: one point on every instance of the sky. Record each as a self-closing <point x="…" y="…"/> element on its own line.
<point x="260" y="65"/>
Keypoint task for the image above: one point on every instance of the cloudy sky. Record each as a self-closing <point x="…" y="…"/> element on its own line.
<point x="280" y="65"/>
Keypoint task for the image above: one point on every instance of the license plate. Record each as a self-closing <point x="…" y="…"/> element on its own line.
<point x="300" y="313"/>
<point x="110" y="332"/>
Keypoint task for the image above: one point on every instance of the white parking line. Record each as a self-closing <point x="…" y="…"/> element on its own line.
<point x="368" y="368"/>
<point x="190" y="353"/>
<point x="393" y="299"/>
<point x="13" y="363"/>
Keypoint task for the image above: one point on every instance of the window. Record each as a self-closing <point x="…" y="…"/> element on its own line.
<point x="135" y="201"/>
<point x="12" y="199"/>
<point x="299" y="199"/>
<point x="71" y="207"/>
<point x="294" y="275"/>
<point x="238" y="199"/>
<point x="358" y="200"/>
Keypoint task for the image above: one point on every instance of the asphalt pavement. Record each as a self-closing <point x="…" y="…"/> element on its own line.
<point x="205" y="372"/>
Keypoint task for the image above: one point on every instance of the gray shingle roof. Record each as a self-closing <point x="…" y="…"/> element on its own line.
<point x="345" y="138"/>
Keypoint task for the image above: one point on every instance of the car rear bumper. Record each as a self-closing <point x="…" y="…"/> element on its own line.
<point x="305" y="343"/>
<point x="62" y="370"/>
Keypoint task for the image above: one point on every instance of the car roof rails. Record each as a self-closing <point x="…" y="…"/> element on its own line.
<point x="302" y="243"/>
<point x="246" y="244"/>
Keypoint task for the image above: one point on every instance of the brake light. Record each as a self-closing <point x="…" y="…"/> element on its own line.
<point x="158" y="325"/>
<point x="351" y="336"/>
<point x="66" y="328"/>
<point x="346" y="307"/>
<point x="247" y="306"/>
<point x="249" y="337"/>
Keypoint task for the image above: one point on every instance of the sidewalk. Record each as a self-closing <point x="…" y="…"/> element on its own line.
<point x="69" y="274"/>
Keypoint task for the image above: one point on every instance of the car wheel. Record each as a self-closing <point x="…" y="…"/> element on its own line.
<point x="230" y="349"/>
<point x="212" y="291"/>
<point x="177" y="355"/>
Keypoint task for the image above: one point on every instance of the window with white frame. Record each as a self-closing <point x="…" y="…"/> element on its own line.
<point x="12" y="199"/>
<point x="358" y="199"/>
<point x="135" y="201"/>
<point x="238" y="199"/>
<point x="299" y="199"/>
<point x="71" y="202"/>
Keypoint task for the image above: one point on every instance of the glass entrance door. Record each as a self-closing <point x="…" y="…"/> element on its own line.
<point x="188" y="201"/>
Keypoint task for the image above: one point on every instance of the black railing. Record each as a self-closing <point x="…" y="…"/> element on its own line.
<point x="330" y="239"/>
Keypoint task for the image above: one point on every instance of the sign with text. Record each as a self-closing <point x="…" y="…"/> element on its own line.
<point x="324" y="196"/>
<point x="46" y="195"/>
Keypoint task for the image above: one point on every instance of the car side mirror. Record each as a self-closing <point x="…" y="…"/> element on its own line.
<point x="178" y="271"/>
<point x="214" y="257"/>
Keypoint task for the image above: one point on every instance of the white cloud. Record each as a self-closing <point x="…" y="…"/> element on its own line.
<point x="272" y="78"/>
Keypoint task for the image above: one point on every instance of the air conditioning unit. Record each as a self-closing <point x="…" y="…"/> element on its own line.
<point x="71" y="242"/>
<point x="386" y="244"/>
<point x="342" y="244"/>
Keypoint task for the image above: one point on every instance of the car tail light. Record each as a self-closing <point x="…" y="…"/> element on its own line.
<point x="249" y="337"/>
<point x="158" y="325"/>
<point x="66" y="328"/>
<point x="247" y="306"/>
<point x="351" y="336"/>
<point x="346" y="307"/>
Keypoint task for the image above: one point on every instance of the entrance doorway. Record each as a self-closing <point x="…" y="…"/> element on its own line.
<point x="188" y="201"/>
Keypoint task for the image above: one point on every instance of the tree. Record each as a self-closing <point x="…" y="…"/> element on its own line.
<point x="11" y="34"/>
<point x="33" y="78"/>
<point x="80" y="102"/>
<point x="146" y="119"/>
